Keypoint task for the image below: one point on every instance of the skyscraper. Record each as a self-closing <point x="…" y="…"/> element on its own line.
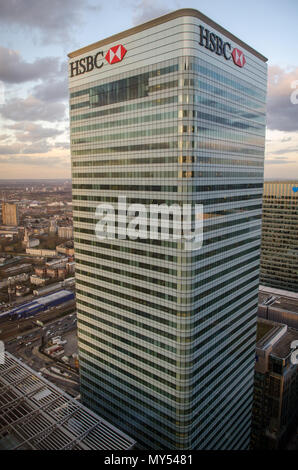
<point x="169" y="112"/>
<point x="279" y="254"/>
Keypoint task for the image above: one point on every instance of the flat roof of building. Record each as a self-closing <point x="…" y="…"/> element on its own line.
<point x="282" y="348"/>
<point x="164" y="19"/>
<point x="37" y="415"/>
<point x="282" y="299"/>
<point x="279" y="335"/>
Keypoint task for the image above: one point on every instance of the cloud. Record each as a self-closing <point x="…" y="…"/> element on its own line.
<point x="36" y="161"/>
<point x="13" y="68"/>
<point x="146" y="10"/>
<point x="54" y="20"/>
<point x="51" y="90"/>
<point x="32" y="109"/>
<point x="285" y="150"/>
<point x="21" y="148"/>
<point x="282" y="114"/>
<point x="31" y="132"/>
<point x="278" y="161"/>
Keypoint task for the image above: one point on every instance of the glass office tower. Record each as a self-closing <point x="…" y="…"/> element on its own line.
<point x="169" y="112"/>
<point x="279" y="254"/>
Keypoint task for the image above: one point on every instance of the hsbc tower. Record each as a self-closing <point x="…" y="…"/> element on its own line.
<point x="169" y="112"/>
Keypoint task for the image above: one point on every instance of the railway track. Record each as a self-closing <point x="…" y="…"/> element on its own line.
<point x="12" y="328"/>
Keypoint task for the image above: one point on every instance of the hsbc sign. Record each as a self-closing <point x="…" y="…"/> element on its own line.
<point x="238" y="57"/>
<point x="115" y="54"/>
<point x="214" y="43"/>
<point x="87" y="64"/>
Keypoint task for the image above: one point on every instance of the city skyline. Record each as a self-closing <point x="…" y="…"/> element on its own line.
<point x="34" y="43"/>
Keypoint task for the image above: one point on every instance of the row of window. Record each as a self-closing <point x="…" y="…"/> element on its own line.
<point x="192" y="360"/>
<point x="137" y="422"/>
<point x="180" y="388"/>
<point x="185" y="300"/>
<point x="206" y="143"/>
<point x="165" y="270"/>
<point x="161" y="282"/>
<point x="172" y="311"/>
<point x="185" y="113"/>
<point x="160" y="71"/>
<point x="173" y="189"/>
<point x="227" y="79"/>
<point x="127" y="135"/>
<point x="121" y="361"/>
<point x="170" y="174"/>
<point x="161" y="159"/>
<point x="131" y="121"/>
<point x="135" y="400"/>
<point x="203" y="99"/>
<point x="176" y="375"/>
<point x="201" y="132"/>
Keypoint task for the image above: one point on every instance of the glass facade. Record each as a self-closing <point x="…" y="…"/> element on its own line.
<point x="279" y="254"/>
<point x="166" y="336"/>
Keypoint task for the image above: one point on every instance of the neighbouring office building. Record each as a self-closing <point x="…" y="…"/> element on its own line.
<point x="275" y="412"/>
<point x="169" y="112"/>
<point x="279" y="253"/>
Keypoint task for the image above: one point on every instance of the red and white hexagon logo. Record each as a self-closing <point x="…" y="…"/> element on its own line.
<point x="238" y="57"/>
<point x="115" y="54"/>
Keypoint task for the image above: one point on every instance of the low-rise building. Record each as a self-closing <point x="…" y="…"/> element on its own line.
<point x="65" y="232"/>
<point x="38" y="281"/>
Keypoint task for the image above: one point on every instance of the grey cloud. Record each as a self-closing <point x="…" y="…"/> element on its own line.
<point x="32" y="109"/>
<point x="31" y="132"/>
<point x="62" y="145"/>
<point x="282" y="151"/>
<point x="20" y="148"/>
<point x="13" y="68"/>
<point x="54" y="20"/>
<point x="282" y="114"/>
<point x="51" y="90"/>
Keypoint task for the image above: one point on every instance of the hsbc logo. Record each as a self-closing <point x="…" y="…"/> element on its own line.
<point x="238" y="57"/>
<point x="214" y="43"/>
<point x="89" y="63"/>
<point x="115" y="54"/>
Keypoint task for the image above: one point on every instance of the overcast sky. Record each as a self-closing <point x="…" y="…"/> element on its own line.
<point x="36" y="35"/>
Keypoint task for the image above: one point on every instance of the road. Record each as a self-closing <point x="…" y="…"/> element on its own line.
<point x="23" y="339"/>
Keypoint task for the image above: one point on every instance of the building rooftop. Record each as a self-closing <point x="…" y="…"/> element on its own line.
<point x="35" y="414"/>
<point x="281" y="299"/>
<point x="276" y="335"/>
<point x="163" y="19"/>
<point x="282" y="348"/>
<point x="263" y="328"/>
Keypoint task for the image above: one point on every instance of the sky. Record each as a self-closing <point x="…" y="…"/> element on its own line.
<point x="37" y="35"/>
